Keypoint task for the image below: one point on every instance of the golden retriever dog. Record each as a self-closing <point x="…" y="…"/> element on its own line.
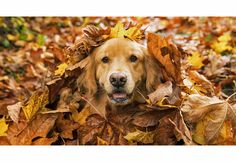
<point x="119" y="73"/>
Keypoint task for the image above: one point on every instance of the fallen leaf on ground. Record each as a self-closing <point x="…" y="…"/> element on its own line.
<point x="36" y="102"/>
<point x="209" y="114"/>
<point x="23" y="133"/>
<point x="140" y="136"/>
<point x="196" y="60"/>
<point x="3" y="127"/>
<point x="14" y="111"/>
<point x="61" y="69"/>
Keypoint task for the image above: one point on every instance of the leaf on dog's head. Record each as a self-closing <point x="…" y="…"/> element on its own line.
<point x="119" y="31"/>
<point x="36" y="102"/>
<point x="3" y="127"/>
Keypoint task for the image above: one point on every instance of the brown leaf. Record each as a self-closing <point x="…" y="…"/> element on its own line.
<point x="24" y="133"/>
<point x="172" y="130"/>
<point x="66" y="127"/>
<point x="167" y="54"/>
<point x="209" y="114"/>
<point x="4" y="103"/>
<point x="140" y="136"/>
<point x="45" y="141"/>
<point x="91" y="129"/>
<point x="4" y="140"/>
<point x="14" y="111"/>
<point x="163" y="90"/>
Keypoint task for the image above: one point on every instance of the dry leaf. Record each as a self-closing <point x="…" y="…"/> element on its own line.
<point x="36" y="102"/>
<point x="196" y="60"/>
<point x="61" y="69"/>
<point x="222" y="44"/>
<point x="3" y="127"/>
<point x="119" y="31"/>
<point x="172" y="129"/>
<point x="66" y="127"/>
<point x="140" y="136"/>
<point x="163" y="90"/>
<point x="14" y="111"/>
<point x="209" y="114"/>
<point x="167" y="54"/>
<point x="23" y="133"/>
<point x="80" y="117"/>
<point x="100" y="141"/>
<point x="45" y="141"/>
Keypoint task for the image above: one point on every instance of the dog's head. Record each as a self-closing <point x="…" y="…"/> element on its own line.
<point x="119" y="67"/>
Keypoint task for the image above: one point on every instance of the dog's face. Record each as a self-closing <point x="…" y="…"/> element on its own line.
<point x="118" y="67"/>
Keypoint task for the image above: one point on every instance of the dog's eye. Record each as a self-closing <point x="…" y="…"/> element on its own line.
<point x="105" y="59"/>
<point x="133" y="58"/>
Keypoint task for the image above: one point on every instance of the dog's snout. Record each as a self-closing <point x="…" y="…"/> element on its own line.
<point x="118" y="79"/>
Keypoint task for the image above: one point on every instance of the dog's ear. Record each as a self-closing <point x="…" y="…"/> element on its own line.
<point x="153" y="71"/>
<point x="87" y="81"/>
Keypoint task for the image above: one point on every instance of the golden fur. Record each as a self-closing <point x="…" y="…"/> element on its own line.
<point x="143" y="75"/>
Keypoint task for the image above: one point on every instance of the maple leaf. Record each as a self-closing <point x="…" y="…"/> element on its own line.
<point x="36" y="102"/>
<point x="140" y="136"/>
<point x="61" y="69"/>
<point x="118" y="31"/>
<point x="3" y="127"/>
<point x="196" y="60"/>
<point x="23" y="133"/>
<point x="80" y="117"/>
<point x="222" y="43"/>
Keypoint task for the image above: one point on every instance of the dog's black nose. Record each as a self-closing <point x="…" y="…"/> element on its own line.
<point x="118" y="79"/>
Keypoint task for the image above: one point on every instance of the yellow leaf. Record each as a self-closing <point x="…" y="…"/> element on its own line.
<point x="222" y="44"/>
<point x="12" y="37"/>
<point x="36" y="102"/>
<point x="3" y="127"/>
<point x="30" y="37"/>
<point x="225" y="37"/>
<point x="226" y="133"/>
<point x="209" y="115"/>
<point x="61" y="69"/>
<point x="140" y="136"/>
<point x="134" y="33"/>
<point x="100" y="141"/>
<point x="80" y="117"/>
<point x="118" y="31"/>
<point x="160" y="103"/>
<point x="196" y="60"/>
<point x="198" y="135"/>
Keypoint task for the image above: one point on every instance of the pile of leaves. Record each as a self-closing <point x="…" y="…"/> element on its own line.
<point x="42" y="105"/>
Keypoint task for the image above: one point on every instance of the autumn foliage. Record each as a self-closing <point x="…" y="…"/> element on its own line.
<point x="41" y="104"/>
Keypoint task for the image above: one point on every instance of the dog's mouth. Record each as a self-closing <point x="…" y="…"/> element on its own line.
<point x="119" y="97"/>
